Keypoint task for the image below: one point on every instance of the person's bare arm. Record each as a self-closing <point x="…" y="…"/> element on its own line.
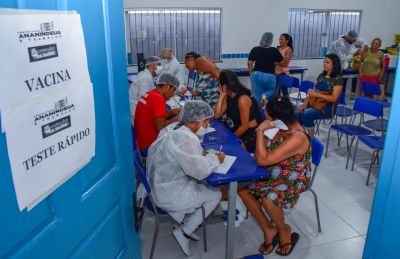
<point x="332" y="98"/>
<point x="244" y="104"/>
<point x="163" y="122"/>
<point x="286" y="59"/>
<point x="250" y="64"/>
<point x="295" y="144"/>
<point x="220" y="107"/>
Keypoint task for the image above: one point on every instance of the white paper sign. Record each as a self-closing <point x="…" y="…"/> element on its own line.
<point x="41" y="54"/>
<point x="49" y="141"/>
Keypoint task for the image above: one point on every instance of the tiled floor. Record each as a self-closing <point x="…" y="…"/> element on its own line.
<point x="345" y="204"/>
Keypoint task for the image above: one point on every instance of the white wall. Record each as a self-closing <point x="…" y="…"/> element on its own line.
<point x="245" y="21"/>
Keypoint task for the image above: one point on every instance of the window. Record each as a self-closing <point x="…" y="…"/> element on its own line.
<point x="183" y="30"/>
<point x="314" y="30"/>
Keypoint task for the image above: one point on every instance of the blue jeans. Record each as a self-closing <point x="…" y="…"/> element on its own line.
<point x="308" y="116"/>
<point x="263" y="83"/>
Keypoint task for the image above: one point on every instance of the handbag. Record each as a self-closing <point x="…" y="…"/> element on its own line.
<point x="317" y="103"/>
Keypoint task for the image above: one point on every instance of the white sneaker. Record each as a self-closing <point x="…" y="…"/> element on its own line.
<point x="193" y="236"/>
<point x="182" y="241"/>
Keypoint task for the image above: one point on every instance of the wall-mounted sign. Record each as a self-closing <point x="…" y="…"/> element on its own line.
<point x="46" y="101"/>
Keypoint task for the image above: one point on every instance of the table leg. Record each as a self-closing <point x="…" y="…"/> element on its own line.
<point x="301" y="76"/>
<point x="230" y="230"/>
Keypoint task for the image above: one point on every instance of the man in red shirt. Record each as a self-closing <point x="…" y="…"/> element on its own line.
<point x="151" y="112"/>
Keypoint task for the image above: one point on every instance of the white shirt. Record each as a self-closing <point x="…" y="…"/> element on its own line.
<point x="343" y="50"/>
<point x="175" y="164"/>
<point x="143" y="83"/>
<point x="175" y="68"/>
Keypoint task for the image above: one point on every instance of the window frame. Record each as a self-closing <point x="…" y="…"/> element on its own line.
<point x="174" y="10"/>
<point x="327" y="29"/>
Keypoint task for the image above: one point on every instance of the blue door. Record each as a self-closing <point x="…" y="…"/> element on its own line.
<point x="91" y="215"/>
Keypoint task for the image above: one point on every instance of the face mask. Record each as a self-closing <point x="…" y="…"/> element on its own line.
<point x="158" y="70"/>
<point x="201" y="132"/>
<point x="166" y="61"/>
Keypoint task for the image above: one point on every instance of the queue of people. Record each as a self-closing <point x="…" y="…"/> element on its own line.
<point x="176" y="161"/>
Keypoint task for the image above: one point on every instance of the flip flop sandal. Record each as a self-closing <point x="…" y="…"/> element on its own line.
<point x="275" y="241"/>
<point x="294" y="238"/>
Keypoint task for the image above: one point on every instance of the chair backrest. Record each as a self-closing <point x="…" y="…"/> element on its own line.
<point x="342" y="98"/>
<point x="134" y="139"/>
<point x="371" y="88"/>
<point x="306" y="85"/>
<point x="286" y="81"/>
<point x="317" y="150"/>
<point x="141" y="171"/>
<point x="296" y="82"/>
<point x="368" y="106"/>
<point x="191" y="79"/>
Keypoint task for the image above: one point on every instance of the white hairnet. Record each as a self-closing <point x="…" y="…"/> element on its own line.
<point x="266" y="39"/>
<point x="195" y="110"/>
<point x="352" y="34"/>
<point x="152" y="60"/>
<point x="167" y="78"/>
<point x="360" y="41"/>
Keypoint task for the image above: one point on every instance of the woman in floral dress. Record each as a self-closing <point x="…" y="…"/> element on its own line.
<point x="288" y="158"/>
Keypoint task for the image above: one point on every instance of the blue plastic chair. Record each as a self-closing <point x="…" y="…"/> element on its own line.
<point x="374" y="89"/>
<point x="284" y="81"/>
<point x="363" y="106"/>
<point x="374" y="142"/>
<point x="150" y="204"/>
<point x="304" y="86"/>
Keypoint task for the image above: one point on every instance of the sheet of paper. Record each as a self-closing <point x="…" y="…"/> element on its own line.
<point x="210" y="129"/>
<point x="279" y="124"/>
<point x="226" y="165"/>
<point x="271" y="133"/>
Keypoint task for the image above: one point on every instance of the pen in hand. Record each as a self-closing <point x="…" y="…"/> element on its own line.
<point x="221" y="155"/>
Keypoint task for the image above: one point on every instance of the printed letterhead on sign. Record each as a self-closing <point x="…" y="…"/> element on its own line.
<point x="43" y="54"/>
<point x="48" y="141"/>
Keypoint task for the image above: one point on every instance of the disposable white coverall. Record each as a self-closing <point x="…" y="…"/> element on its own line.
<point x="143" y="83"/>
<point x="175" y="68"/>
<point x="343" y="50"/>
<point x="175" y="165"/>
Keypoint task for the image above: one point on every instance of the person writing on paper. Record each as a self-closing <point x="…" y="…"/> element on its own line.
<point x="176" y="163"/>
<point x="151" y="112"/>
<point x="241" y="109"/>
<point x="321" y="100"/>
<point x="288" y="157"/>
<point x="143" y="83"/>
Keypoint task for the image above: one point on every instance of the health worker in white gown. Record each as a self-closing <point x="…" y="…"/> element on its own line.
<point x="176" y="163"/>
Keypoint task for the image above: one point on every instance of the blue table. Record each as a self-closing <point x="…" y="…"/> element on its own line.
<point x="220" y="136"/>
<point x="292" y="70"/>
<point x="243" y="169"/>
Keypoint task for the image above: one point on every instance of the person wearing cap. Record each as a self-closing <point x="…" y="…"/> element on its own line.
<point x="206" y="84"/>
<point x="261" y="65"/>
<point x="151" y="111"/>
<point x="343" y="47"/>
<point x="171" y="65"/>
<point x="176" y="164"/>
<point x="143" y="83"/>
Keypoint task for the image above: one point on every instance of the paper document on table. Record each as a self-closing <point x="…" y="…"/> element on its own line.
<point x="226" y="165"/>
<point x="210" y="129"/>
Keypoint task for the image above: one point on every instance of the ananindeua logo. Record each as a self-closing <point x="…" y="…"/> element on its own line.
<point x="42" y="52"/>
<point x="46" y="31"/>
<point x="61" y="107"/>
